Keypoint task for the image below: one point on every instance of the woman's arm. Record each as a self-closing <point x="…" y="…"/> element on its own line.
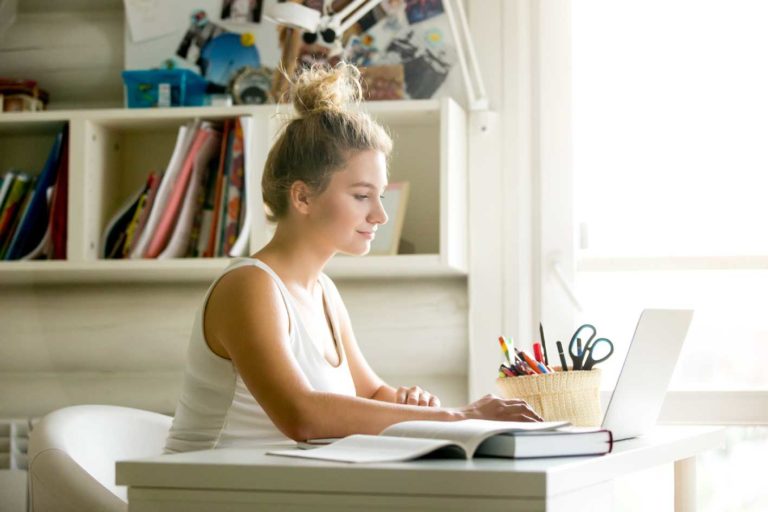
<point x="367" y="383"/>
<point x="246" y="318"/>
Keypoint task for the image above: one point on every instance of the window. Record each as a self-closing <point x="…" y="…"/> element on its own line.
<point x="670" y="123"/>
<point x="670" y="173"/>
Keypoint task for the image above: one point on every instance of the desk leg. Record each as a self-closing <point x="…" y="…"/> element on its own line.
<point x="685" y="485"/>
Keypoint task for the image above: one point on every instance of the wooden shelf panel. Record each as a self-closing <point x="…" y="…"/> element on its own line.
<point x="207" y="269"/>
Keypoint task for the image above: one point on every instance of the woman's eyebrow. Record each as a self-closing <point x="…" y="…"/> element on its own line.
<point x="365" y="184"/>
<point x="362" y="184"/>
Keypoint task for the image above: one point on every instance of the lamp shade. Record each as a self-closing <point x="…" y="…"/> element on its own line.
<point x="294" y="15"/>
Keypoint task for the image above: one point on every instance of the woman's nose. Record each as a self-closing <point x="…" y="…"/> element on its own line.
<point x="378" y="215"/>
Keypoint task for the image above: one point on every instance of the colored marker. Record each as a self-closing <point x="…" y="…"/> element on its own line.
<point x="535" y="366"/>
<point x="523" y="368"/>
<point x="506" y="371"/>
<point x="505" y="349"/>
<point x="537" y="353"/>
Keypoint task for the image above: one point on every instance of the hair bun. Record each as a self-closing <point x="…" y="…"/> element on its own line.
<point x="321" y="88"/>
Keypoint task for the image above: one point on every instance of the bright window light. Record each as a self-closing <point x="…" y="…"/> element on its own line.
<point x="670" y="131"/>
<point x="670" y="113"/>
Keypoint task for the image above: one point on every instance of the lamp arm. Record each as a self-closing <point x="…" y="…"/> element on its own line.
<point x="354" y="5"/>
<point x="348" y="16"/>
<point x="476" y="95"/>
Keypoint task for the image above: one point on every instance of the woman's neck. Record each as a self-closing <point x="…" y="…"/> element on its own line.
<point x="295" y="257"/>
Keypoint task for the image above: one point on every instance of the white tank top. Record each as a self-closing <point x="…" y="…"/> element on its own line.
<point x="215" y="408"/>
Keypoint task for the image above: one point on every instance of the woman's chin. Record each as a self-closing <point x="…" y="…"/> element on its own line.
<point x="356" y="251"/>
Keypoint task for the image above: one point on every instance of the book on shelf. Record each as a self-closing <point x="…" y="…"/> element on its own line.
<point x="34" y="218"/>
<point x="58" y="211"/>
<point x="5" y="187"/>
<point x="183" y="141"/>
<point x="465" y="439"/>
<point x="15" y="203"/>
<point x="179" y="239"/>
<point x="170" y="212"/>
<point x="132" y="238"/>
<point x="235" y="192"/>
<point x="115" y="234"/>
<point x="201" y="225"/>
<point x="132" y="231"/>
<point x="240" y="245"/>
<point x="210" y="250"/>
<point x="220" y="210"/>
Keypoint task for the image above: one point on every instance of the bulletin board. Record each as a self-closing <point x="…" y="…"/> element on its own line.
<point x="404" y="48"/>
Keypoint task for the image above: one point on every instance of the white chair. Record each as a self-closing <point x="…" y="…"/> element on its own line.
<point x="72" y="455"/>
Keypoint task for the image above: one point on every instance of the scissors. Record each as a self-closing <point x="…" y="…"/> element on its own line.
<point x="585" y="359"/>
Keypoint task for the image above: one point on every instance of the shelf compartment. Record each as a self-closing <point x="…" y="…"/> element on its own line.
<point x="429" y="152"/>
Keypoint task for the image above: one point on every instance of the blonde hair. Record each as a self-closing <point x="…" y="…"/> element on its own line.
<point x="320" y="140"/>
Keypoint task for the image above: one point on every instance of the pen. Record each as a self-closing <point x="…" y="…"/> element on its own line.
<point x="543" y="344"/>
<point x="537" y="353"/>
<point x="560" y="352"/>
<point x="522" y="369"/>
<point x="506" y="371"/>
<point x="535" y="366"/>
<point x="505" y="349"/>
<point x="522" y="365"/>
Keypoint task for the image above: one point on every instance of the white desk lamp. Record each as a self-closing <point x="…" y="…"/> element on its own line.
<point x="329" y="25"/>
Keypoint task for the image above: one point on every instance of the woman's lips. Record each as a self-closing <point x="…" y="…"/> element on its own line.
<point x="367" y="234"/>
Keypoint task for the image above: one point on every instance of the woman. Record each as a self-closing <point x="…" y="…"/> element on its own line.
<point x="273" y="358"/>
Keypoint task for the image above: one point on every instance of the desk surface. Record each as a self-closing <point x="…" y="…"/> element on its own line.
<point x="253" y="470"/>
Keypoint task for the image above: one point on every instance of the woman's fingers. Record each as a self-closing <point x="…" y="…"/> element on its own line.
<point x="521" y="408"/>
<point x="414" y="395"/>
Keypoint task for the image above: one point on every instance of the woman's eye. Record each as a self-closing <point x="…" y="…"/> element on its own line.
<point x="360" y="197"/>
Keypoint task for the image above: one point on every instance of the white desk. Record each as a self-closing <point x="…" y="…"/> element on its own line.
<point x="239" y="480"/>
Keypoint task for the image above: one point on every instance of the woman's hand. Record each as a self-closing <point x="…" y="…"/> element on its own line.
<point x="416" y="396"/>
<point x="492" y="407"/>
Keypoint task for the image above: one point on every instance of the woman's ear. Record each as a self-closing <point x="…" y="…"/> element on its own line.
<point x="300" y="195"/>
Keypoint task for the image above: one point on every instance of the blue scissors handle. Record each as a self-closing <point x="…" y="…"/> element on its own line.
<point x="589" y="359"/>
<point x="577" y="356"/>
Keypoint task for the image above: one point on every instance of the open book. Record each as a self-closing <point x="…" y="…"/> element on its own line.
<point x="462" y="439"/>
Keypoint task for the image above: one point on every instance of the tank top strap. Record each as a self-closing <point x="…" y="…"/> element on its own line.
<point x="254" y="262"/>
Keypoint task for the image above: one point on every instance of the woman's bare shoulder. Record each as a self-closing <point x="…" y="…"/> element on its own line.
<point x="241" y="300"/>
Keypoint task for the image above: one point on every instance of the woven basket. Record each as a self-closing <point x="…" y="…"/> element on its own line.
<point x="561" y="396"/>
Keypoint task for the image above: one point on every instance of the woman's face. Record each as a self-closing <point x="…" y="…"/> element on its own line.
<point x="348" y="212"/>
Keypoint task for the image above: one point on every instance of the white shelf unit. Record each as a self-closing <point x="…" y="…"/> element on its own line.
<point x="112" y="151"/>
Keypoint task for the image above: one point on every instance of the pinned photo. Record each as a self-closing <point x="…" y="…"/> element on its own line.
<point x="383" y="82"/>
<point x="422" y="10"/>
<point x="426" y="57"/>
<point x="241" y="11"/>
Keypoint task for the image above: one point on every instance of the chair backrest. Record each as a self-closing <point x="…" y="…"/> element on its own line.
<point x="72" y="455"/>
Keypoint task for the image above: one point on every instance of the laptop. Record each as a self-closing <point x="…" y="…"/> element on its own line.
<point x="636" y="400"/>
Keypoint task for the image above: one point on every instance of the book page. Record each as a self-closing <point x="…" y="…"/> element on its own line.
<point x="366" y="448"/>
<point x="466" y="433"/>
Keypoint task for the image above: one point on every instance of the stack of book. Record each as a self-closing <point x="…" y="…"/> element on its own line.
<point x="33" y="208"/>
<point x="196" y="207"/>
<point x="464" y="439"/>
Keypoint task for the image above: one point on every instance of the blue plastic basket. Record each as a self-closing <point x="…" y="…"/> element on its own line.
<point x="142" y="87"/>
